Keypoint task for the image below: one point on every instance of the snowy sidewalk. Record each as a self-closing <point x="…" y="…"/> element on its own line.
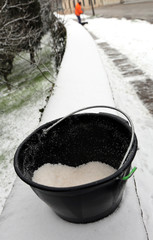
<point x="133" y="10"/>
<point x="81" y="82"/>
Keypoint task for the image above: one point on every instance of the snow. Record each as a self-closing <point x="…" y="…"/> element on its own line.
<point x="128" y="37"/>
<point x="118" y="34"/>
<point x="27" y="217"/>
<point x="82" y="81"/>
<point x="11" y="138"/>
<point x="18" y="122"/>
<point x="78" y="79"/>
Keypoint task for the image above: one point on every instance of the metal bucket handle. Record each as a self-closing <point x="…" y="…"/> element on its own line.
<point x="45" y="131"/>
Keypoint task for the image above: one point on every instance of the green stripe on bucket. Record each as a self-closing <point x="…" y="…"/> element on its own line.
<point x="130" y="174"/>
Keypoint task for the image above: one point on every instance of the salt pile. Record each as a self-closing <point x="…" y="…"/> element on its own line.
<point x="58" y="175"/>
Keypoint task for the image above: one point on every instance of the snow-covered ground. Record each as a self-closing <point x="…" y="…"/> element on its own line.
<point x="15" y="127"/>
<point x="20" y="114"/>
<point x="134" y="40"/>
<point x="128" y="38"/>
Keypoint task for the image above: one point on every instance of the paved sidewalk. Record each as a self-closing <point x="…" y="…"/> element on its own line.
<point x="142" y="11"/>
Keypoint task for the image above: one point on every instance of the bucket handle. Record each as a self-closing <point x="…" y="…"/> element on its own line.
<point x="129" y="175"/>
<point x="45" y="131"/>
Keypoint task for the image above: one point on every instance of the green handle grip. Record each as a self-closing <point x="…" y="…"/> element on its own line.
<point x="130" y="174"/>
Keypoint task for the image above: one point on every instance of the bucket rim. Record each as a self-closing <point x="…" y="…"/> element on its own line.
<point x="115" y="176"/>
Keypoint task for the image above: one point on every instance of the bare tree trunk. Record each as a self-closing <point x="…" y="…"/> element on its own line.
<point x="32" y="55"/>
<point x="7" y="83"/>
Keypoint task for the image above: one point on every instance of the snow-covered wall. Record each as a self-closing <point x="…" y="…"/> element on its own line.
<point x="81" y="82"/>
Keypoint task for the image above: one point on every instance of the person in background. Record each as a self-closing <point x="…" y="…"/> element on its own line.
<point x="78" y="11"/>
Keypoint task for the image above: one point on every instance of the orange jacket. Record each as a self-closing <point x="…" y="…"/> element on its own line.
<point x="78" y="9"/>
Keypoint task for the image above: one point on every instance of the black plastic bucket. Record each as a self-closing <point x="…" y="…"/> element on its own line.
<point x="74" y="140"/>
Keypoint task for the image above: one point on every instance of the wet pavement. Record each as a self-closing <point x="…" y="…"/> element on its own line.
<point x="142" y="11"/>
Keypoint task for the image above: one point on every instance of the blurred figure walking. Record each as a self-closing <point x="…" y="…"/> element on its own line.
<point x="78" y="11"/>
